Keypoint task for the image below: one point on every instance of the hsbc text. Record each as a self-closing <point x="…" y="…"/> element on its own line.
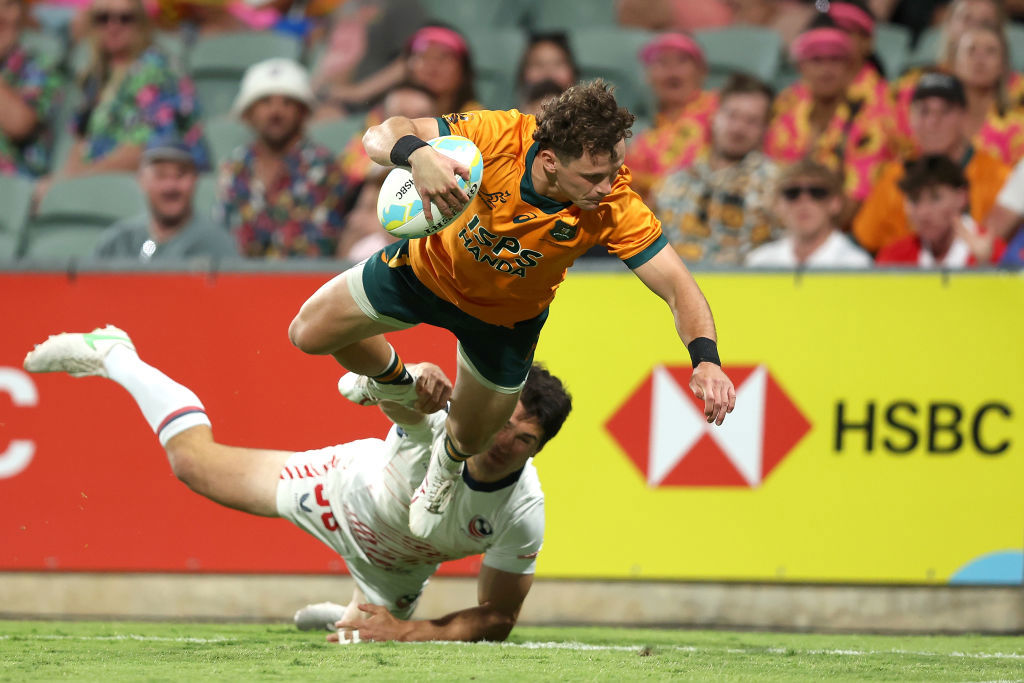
<point x="936" y="427"/>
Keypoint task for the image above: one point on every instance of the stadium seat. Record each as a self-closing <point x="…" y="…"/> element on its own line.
<point x="1015" y="38"/>
<point x="217" y="63"/>
<point x="335" y="134"/>
<point x="749" y="49"/>
<point x="562" y="15"/>
<point x="468" y="17"/>
<point x="926" y="50"/>
<point x="76" y="211"/>
<point x="61" y="242"/>
<point x="223" y="135"/>
<point x="16" y="199"/>
<point x="612" y="54"/>
<point x="206" y="195"/>
<point x="46" y="47"/>
<point x="496" y="56"/>
<point x="892" y="46"/>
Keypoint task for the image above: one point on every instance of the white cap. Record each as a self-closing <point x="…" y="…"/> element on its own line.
<point x="276" y="76"/>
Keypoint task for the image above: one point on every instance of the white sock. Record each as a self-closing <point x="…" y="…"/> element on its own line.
<point x="169" y="408"/>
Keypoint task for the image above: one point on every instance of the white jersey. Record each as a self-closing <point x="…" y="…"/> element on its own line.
<point x="367" y="485"/>
<point x="835" y="252"/>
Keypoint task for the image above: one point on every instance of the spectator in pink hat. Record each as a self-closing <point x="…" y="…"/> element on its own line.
<point x="675" y="70"/>
<point x="818" y="118"/>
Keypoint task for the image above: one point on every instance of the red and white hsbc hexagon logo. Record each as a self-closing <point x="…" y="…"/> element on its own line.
<point x="661" y="427"/>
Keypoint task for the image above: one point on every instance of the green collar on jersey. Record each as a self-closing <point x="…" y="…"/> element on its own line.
<point x="530" y="195"/>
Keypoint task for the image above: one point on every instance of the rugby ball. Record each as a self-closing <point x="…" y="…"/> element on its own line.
<point x="399" y="207"/>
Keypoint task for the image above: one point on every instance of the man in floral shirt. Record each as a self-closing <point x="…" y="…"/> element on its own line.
<point x="27" y="93"/>
<point x="281" y="195"/>
<point x="720" y="208"/>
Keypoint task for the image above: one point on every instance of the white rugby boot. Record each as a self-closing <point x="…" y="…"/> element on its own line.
<point x="76" y="353"/>
<point x="321" y="616"/>
<point x="367" y="392"/>
<point x="432" y="498"/>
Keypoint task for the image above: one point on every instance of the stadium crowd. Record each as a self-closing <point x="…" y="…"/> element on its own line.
<point x="771" y="133"/>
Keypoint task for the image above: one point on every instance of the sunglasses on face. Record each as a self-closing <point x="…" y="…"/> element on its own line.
<point x="104" y="18"/>
<point x="815" y="192"/>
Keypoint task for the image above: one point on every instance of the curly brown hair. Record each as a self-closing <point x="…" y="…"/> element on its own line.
<point x="585" y="118"/>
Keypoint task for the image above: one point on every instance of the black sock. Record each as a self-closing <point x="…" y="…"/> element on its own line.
<point x="395" y="373"/>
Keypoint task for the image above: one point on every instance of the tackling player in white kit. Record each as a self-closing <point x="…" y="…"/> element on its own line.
<point x="354" y="497"/>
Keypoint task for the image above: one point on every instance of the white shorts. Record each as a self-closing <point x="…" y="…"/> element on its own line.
<point x="308" y="481"/>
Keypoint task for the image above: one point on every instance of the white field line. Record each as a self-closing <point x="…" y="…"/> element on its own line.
<point x="551" y="645"/>
<point x="127" y="636"/>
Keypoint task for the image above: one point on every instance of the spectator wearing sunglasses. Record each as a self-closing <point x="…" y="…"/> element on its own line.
<point x="938" y="119"/>
<point x="130" y="93"/>
<point x="27" y="94"/>
<point x="718" y="209"/>
<point x="944" y="235"/>
<point x="809" y="201"/>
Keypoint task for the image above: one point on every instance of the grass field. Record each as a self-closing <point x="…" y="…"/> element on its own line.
<point x="49" y="650"/>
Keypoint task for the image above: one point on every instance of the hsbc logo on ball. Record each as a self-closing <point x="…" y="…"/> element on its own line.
<point x="662" y="428"/>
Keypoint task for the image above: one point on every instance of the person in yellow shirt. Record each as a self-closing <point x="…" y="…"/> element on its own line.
<point x="937" y="117"/>
<point x="553" y="187"/>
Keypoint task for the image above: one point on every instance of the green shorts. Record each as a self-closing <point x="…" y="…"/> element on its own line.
<point x="499" y="357"/>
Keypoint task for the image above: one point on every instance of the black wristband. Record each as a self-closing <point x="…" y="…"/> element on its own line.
<point x="703" y="350"/>
<point x="406" y="145"/>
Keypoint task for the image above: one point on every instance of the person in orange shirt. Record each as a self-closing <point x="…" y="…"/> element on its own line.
<point x="553" y="187"/>
<point x="675" y="70"/>
<point x="937" y="115"/>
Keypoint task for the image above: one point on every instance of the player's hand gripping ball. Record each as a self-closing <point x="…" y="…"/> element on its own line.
<point x="399" y="207"/>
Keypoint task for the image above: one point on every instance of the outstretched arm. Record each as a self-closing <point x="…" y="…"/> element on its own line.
<point x="666" y="276"/>
<point x="433" y="173"/>
<point x="500" y="594"/>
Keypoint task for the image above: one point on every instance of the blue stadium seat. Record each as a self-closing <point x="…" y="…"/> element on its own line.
<point x="749" y="49"/>
<point x="612" y="54"/>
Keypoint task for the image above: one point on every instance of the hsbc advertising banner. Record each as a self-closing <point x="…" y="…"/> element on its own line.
<point x="876" y="439"/>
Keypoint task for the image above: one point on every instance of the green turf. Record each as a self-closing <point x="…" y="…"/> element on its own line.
<point x="109" y="651"/>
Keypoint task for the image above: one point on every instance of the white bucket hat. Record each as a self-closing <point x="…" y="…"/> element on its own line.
<point x="276" y="76"/>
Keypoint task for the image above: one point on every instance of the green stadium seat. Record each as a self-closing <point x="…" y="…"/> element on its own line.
<point x="1015" y="38"/>
<point x="223" y="135"/>
<point x="892" y="46"/>
<point x="233" y="53"/>
<point x="468" y="17"/>
<point x="926" y="50"/>
<point x="562" y="15"/>
<point x="749" y="49"/>
<point x="75" y="211"/>
<point x="206" y="195"/>
<point x="91" y="200"/>
<point x="46" y="47"/>
<point x="335" y="134"/>
<point x="612" y="54"/>
<point x="217" y="63"/>
<point x="16" y="200"/>
<point x="52" y="243"/>
<point x="496" y="55"/>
